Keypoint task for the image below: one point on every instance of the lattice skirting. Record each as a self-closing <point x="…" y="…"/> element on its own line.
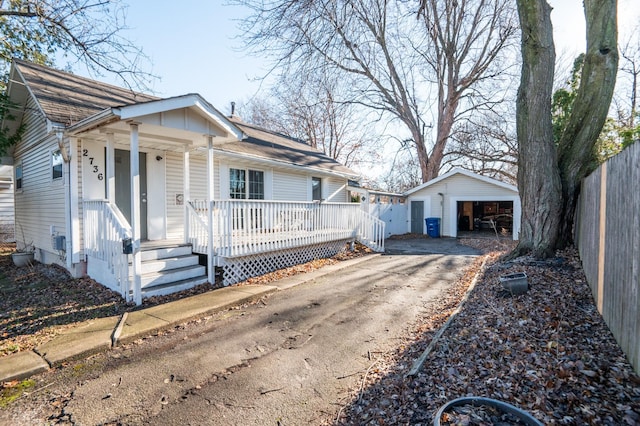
<point x="241" y="268"/>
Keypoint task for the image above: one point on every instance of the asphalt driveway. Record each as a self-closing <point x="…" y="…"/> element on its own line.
<point x="294" y="358"/>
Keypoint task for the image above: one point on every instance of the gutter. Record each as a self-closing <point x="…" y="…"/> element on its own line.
<point x="285" y="165"/>
<point x="96" y="120"/>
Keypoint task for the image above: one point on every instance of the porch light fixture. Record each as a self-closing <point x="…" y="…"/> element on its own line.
<point x="158" y="158"/>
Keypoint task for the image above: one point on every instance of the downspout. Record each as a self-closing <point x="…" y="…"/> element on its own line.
<point x="441" y="212"/>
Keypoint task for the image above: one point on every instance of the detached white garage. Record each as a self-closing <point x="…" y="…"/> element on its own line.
<point x="465" y="202"/>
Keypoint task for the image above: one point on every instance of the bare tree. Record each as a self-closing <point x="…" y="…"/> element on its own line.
<point x="309" y="109"/>
<point x="89" y="31"/>
<point x="630" y="53"/>
<point x="486" y="147"/>
<point x="397" y="66"/>
<point x="467" y="37"/>
<point x="549" y="178"/>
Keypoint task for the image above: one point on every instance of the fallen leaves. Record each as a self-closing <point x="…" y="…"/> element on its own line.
<point x="38" y="302"/>
<point x="547" y="352"/>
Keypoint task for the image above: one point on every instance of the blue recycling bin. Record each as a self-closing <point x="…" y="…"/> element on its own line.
<point x="433" y="227"/>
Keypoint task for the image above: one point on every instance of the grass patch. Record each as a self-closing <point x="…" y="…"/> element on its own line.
<point x="14" y="390"/>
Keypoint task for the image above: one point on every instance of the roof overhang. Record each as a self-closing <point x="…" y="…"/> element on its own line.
<point x="187" y="113"/>
<point x="18" y="93"/>
<point x="285" y="165"/>
<point x="456" y="171"/>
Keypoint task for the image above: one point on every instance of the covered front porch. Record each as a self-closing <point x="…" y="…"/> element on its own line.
<point x="148" y="173"/>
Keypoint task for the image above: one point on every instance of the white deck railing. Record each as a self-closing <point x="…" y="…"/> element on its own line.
<point x="104" y="229"/>
<point x="246" y="227"/>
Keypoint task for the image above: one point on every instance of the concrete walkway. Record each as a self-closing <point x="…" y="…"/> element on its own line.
<point x="101" y="334"/>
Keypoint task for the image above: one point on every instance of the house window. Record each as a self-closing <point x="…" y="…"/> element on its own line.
<point x="316" y="188"/>
<point x="56" y="165"/>
<point x="256" y="185"/>
<point x="18" y="171"/>
<point x="237" y="184"/>
<point x="241" y="189"/>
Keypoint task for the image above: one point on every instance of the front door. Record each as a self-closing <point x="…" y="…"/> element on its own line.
<point x="417" y="217"/>
<point x="123" y="187"/>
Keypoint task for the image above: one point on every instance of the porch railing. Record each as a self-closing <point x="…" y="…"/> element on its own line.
<point x="104" y="229"/>
<point x="371" y="231"/>
<point x="198" y="231"/>
<point x="245" y="227"/>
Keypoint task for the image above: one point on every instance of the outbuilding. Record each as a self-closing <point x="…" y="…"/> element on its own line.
<point x="461" y="202"/>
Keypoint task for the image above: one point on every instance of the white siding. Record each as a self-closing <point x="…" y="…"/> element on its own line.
<point x="40" y="202"/>
<point x="335" y="190"/>
<point x="198" y="176"/>
<point x="289" y="186"/>
<point x="175" y="213"/>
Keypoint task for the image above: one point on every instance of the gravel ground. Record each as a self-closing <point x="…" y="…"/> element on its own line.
<point x="547" y="352"/>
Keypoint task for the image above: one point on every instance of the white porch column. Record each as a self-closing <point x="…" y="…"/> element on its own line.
<point x="74" y="251"/>
<point x="135" y="213"/>
<point x="111" y="169"/>
<point x="210" y="198"/>
<point x="186" y="184"/>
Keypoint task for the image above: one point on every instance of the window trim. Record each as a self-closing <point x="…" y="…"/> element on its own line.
<point x="319" y="179"/>
<point x="52" y="166"/>
<point x="16" y="167"/>
<point x="247" y="184"/>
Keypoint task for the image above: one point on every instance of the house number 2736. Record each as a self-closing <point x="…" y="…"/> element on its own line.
<point x="94" y="167"/>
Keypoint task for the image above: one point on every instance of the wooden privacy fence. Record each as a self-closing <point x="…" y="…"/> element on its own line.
<point x="608" y="239"/>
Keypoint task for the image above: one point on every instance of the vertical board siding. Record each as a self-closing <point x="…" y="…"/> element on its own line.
<point x="587" y="230"/>
<point x="619" y="299"/>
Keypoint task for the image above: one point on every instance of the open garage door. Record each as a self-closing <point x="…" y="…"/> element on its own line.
<point x="477" y="218"/>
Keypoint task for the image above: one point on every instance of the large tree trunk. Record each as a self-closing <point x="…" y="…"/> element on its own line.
<point x="590" y="108"/>
<point x="538" y="176"/>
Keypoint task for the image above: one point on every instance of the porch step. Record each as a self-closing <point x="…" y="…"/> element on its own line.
<point x="154" y="253"/>
<point x="168" y="263"/>
<point x="164" y="289"/>
<point x="172" y="275"/>
<point x="168" y="268"/>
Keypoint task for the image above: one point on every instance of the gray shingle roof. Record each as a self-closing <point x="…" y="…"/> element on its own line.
<point x="67" y="98"/>
<point x="264" y="143"/>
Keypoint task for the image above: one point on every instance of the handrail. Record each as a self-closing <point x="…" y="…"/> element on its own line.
<point x="371" y="231"/>
<point x="105" y="227"/>
<point x="198" y="228"/>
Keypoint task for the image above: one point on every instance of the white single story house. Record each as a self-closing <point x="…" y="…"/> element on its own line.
<point x="464" y="202"/>
<point x="149" y="196"/>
